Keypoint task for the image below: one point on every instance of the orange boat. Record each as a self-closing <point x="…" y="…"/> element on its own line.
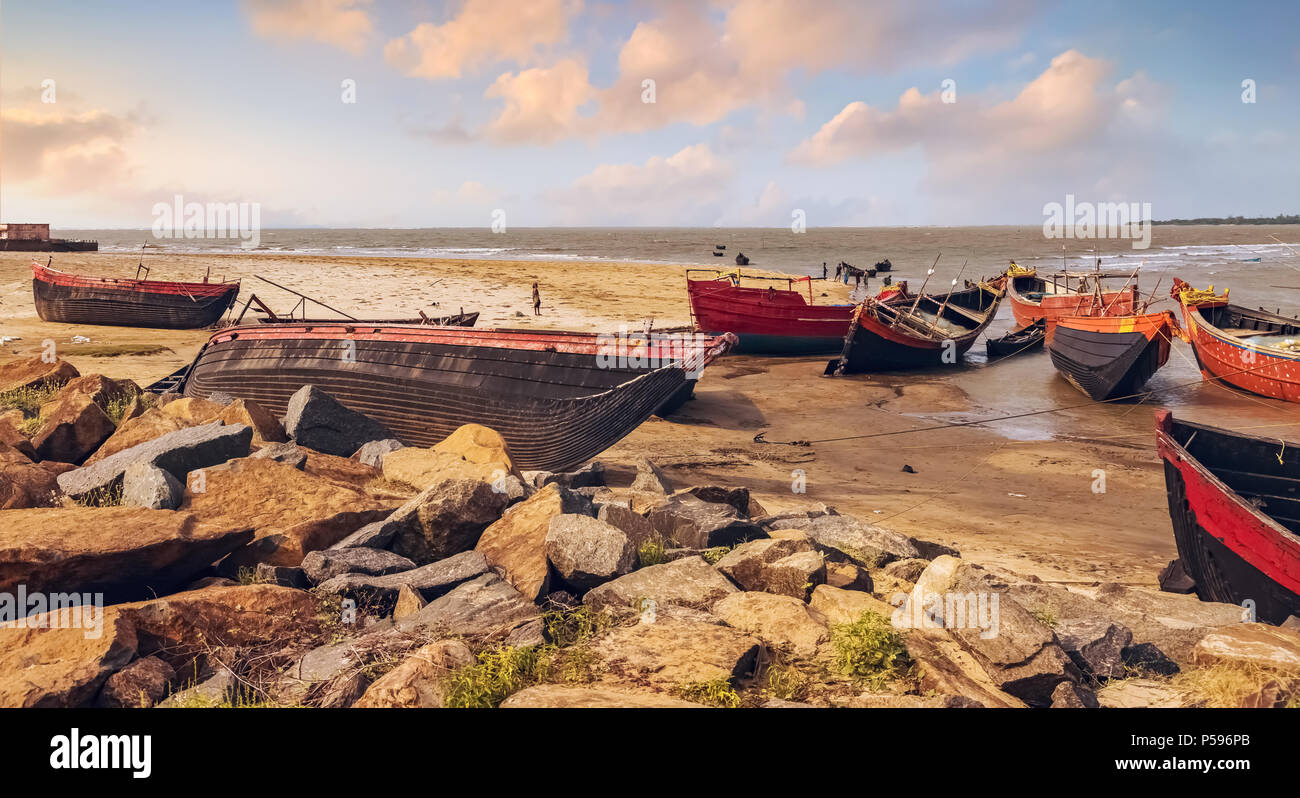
<point x="1112" y="355"/>
<point x="1253" y="350"/>
<point x="1064" y="293"/>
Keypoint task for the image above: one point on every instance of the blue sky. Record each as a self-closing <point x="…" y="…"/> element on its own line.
<point x="762" y="107"/>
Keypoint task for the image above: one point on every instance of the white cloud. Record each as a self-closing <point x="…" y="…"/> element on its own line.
<point x="483" y="32"/>
<point x="342" y="23"/>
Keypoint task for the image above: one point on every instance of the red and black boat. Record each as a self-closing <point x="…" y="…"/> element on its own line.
<point x="1253" y="350"/>
<point x="1033" y="296"/>
<point x="768" y="320"/>
<point x="906" y="331"/>
<point x="1234" y="501"/>
<point x="1111" y="356"/>
<point x="558" y="398"/>
<point x="80" y="299"/>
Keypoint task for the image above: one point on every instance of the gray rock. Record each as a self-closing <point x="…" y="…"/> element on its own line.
<point x="796" y="575"/>
<point x="372" y="453"/>
<point x="1068" y="695"/>
<point x="146" y="485"/>
<point x="483" y="607"/>
<point x="218" y="689"/>
<point x="177" y="453"/>
<point x="1148" y="658"/>
<point x="737" y="498"/>
<point x="319" y="421"/>
<point x="323" y="565"/>
<point x="139" y="685"/>
<point x="929" y="549"/>
<point x="324" y="663"/>
<point x="636" y="526"/>
<point x="907" y="570"/>
<point x="430" y="581"/>
<point x="794" y="520"/>
<point x="693" y="523"/>
<point x="690" y="582"/>
<point x="1095" y="645"/>
<point x="375" y="535"/>
<point x="650" y="479"/>
<point x="746" y="564"/>
<point x="445" y="519"/>
<point x="843" y="537"/>
<point x="1175" y="579"/>
<point x="514" y="489"/>
<point x="592" y="475"/>
<point x="587" y="552"/>
<point x="282" y="575"/>
<point x="290" y="453"/>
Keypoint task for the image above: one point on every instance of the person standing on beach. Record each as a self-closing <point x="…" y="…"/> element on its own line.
<point x="823" y="270"/>
<point x="537" y="300"/>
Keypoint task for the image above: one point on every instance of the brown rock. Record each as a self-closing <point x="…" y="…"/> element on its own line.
<point x="851" y="576"/>
<point x="191" y="411"/>
<point x="944" y="667"/>
<point x="516" y="544"/>
<point x="671" y="653"/>
<point x="1253" y="644"/>
<point x="419" y="680"/>
<point x="24" y="484"/>
<point x="349" y="473"/>
<point x="471" y="452"/>
<point x="123" y="552"/>
<point x="409" y="602"/>
<point x="71" y="428"/>
<point x="747" y="563"/>
<point x="688" y="582"/>
<point x="266" y="427"/>
<point x="61" y="667"/>
<point x="34" y="372"/>
<point x="140" y="685"/>
<point x="102" y="390"/>
<point x="795" y="575"/>
<point x="561" y="696"/>
<point x="153" y="423"/>
<point x="846" y="606"/>
<point x="12" y="437"/>
<point x="783" y="621"/>
<point x="444" y="519"/>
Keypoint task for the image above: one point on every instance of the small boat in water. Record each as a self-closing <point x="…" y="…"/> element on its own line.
<point x="767" y="320"/>
<point x="1234" y="501"/>
<point x="1253" y="350"/>
<point x="1065" y="293"/>
<point x="1023" y="339"/>
<point x="1111" y="356"/>
<point x="906" y="331"/>
<point x="558" y="398"/>
<point x="80" y="299"/>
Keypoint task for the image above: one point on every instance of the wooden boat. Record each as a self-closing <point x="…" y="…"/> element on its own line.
<point x="1253" y="350"/>
<point x="768" y="320"/>
<point x="1064" y="293"/>
<point x="1234" y="501"/>
<point x="454" y="320"/>
<point x="1023" y="339"/>
<point x="916" y="331"/>
<point x="558" y="398"/>
<point x="1111" y="356"/>
<point x="78" y="299"/>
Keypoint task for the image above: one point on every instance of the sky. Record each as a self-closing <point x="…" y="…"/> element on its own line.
<point x="419" y="113"/>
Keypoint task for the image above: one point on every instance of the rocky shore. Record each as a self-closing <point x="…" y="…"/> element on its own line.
<point x="313" y="560"/>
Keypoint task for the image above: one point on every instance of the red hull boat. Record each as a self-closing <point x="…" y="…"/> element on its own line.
<point x="79" y="299"/>
<point x="1253" y="350"/>
<point x="1234" y="501"/>
<point x="767" y="320"/>
<point x="1063" y="294"/>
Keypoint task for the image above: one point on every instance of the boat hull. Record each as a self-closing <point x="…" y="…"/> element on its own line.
<point x="1266" y="371"/>
<point x="1025" y="339"/>
<point x="76" y="299"/>
<point x="549" y="395"/>
<point x="1235" y="552"/>
<point x="1109" y="357"/>
<point x="767" y="321"/>
<point x="1029" y="303"/>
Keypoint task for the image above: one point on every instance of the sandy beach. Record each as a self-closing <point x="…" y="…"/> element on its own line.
<point x="1026" y="504"/>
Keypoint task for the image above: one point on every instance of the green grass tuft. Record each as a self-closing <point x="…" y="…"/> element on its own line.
<point x="651" y="552"/>
<point x="714" y="693"/>
<point x="498" y="673"/>
<point x="869" y="649"/>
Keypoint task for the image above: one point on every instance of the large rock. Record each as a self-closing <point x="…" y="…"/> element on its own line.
<point x="843" y="537"/>
<point x="1252" y="644"/>
<point x="372" y="453"/>
<point x="177" y="453"/>
<point x="694" y="523"/>
<point x="430" y="581"/>
<point x="148" y="486"/>
<point x="140" y="685"/>
<point x="61" y="667"/>
<point x="650" y="479"/>
<point x="563" y="696"/>
<point x="35" y="372"/>
<point x="11" y="435"/>
<point x="796" y="575"/>
<point x="587" y="552"/>
<point x="945" y="667"/>
<point x="840" y="606"/>
<point x="471" y="452"/>
<point x="1096" y="645"/>
<point x="516" y="544"/>
<point x="24" y="484"/>
<point x="322" y="565"/>
<point x="636" y="526"/>
<point x="782" y="621"/>
<point x="445" y="519"/>
<point x="123" y="552"/>
<point x="103" y="391"/>
<point x="747" y="563"/>
<point x="670" y="654"/>
<point x="288" y="453"/>
<point x="266" y="427"/>
<point x="319" y="421"/>
<point x="1141" y="693"/>
<point x="689" y="582"/>
<point x="420" y="679"/>
<point x="483" y="607"/>
<point x="72" y="427"/>
<point x="291" y="511"/>
<point x="737" y="498"/>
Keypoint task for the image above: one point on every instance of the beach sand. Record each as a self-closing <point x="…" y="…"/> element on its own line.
<point x="1026" y="505"/>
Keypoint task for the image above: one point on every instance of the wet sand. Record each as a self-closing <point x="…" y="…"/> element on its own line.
<point x="1018" y="494"/>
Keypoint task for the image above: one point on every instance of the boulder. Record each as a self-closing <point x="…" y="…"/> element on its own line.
<point x="102" y="390"/>
<point x="928" y="549"/>
<point x="471" y="452"/>
<point x="587" y="552"/>
<point x="1096" y="645"/>
<point x="72" y="427"/>
<point x="747" y="564"/>
<point x="409" y="602"/>
<point x="64" y="666"/>
<point x="266" y="427"/>
<point x="650" y="479"/>
<point x="282" y="575"/>
<point x="123" y="552"/>
<point x="516" y="544"/>
<point x="691" y="522"/>
<point x="322" y="565"/>
<point x="1174" y="578"/>
<point x="945" y="667"/>
<point x="35" y="372"/>
<point x="795" y="575"/>
<point x="430" y="581"/>
<point x="840" y="606"/>
<point x="636" y="526"/>
<point x="563" y="696"/>
<point x="782" y="621"/>
<point x="191" y="411"/>
<point x="140" y="685"/>
<point x="10" y="435"/>
<point x="1251" y="644"/>
<point x="737" y="498"/>
<point x="152" y="423"/>
<point x="849" y="576"/>
<point x="420" y="679"/>
<point x="670" y="654"/>
<point x="1069" y="695"/>
<point x="842" y="537"/>
<point x="689" y="582"/>
<point x="486" y="606"/>
<point x="24" y="484"/>
<point x="444" y="519"/>
<point x="591" y="475"/>
<point x="372" y="453"/>
<point x="287" y="453"/>
<point x="1134" y="693"/>
<point x="907" y="570"/>
<point x="1148" y="658"/>
<point x="148" y="486"/>
<point x="221" y="689"/>
<point x="177" y="453"/>
<point x="319" y="421"/>
<point x="375" y="535"/>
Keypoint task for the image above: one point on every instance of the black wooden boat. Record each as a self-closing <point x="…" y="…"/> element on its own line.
<point x="558" y="398"/>
<point x="1024" y="339"/>
<point x="80" y="299"/>
<point x="1107" y="357"/>
<point x="454" y="320"/>
<point x="1234" y="501"/>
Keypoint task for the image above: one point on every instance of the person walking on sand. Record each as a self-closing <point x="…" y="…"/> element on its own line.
<point x="537" y="300"/>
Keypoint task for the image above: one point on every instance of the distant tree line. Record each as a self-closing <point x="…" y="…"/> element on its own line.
<point x="1281" y="218"/>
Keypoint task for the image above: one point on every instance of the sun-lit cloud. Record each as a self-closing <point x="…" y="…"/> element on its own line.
<point x="57" y="150"/>
<point x="345" y="24"/>
<point x="482" y="32"/>
<point x="541" y="104"/>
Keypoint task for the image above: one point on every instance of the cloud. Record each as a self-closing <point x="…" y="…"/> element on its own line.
<point x="541" y="104"/>
<point x="482" y="33"/>
<point x="58" y="150"/>
<point x="684" y="188"/>
<point x="471" y="192"/>
<point x="341" y="23"/>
